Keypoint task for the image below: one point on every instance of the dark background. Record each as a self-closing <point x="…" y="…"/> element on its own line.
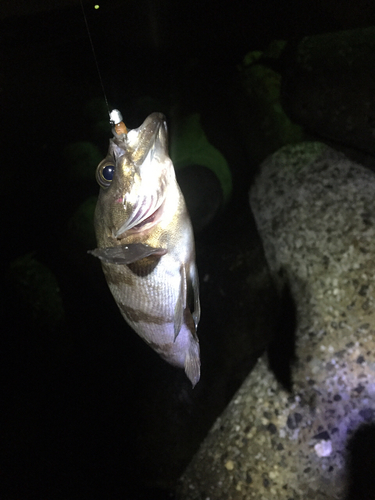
<point x="88" y="410"/>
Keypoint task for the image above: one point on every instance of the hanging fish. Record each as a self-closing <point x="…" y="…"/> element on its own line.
<point x="146" y="244"/>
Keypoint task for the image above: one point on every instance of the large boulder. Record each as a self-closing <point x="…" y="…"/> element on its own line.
<point x="329" y="84"/>
<point x="315" y="211"/>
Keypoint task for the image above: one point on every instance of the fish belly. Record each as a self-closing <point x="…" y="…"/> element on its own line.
<point x="148" y="305"/>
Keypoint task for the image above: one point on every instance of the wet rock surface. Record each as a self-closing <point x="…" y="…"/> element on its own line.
<point x="314" y="209"/>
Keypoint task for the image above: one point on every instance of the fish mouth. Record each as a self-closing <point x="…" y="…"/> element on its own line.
<point x="150" y="137"/>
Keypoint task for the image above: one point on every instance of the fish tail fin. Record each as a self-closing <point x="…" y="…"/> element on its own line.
<point x="192" y="362"/>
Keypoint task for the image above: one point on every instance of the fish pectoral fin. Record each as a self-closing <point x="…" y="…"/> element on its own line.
<point x="192" y="362"/>
<point x="181" y="303"/>
<point x="126" y="254"/>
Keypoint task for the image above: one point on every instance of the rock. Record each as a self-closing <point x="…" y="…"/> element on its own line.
<point x="202" y="172"/>
<point x="315" y="211"/>
<point x="190" y="146"/>
<point x="329" y="87"/>
<point x="269" y="127"/>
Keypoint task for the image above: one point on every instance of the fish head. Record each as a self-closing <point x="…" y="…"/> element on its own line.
<point x="134" y="178"/>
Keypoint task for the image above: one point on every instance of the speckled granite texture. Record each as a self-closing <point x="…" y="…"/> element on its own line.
<point x="315" y="211"/>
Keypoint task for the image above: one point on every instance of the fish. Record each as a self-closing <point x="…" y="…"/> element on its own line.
<point x="145" y="242"/>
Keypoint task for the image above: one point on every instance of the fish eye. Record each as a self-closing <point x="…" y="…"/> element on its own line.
<point x="105" y="172"/>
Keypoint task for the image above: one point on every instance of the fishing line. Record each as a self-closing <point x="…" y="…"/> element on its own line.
<point x="95" y="58"/>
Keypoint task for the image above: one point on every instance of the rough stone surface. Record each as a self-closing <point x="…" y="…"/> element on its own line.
<point x="315" y="211"/>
